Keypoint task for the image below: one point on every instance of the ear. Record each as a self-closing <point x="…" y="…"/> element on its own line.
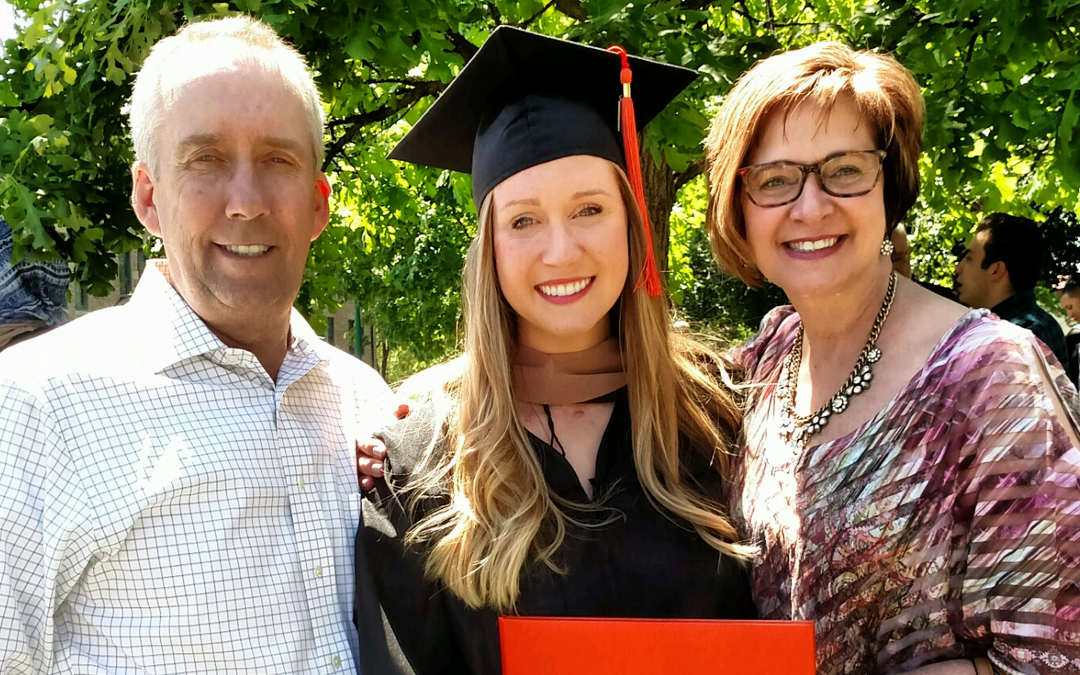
<point x="321" y="216"/>
<point x="142" y="198"/>
<point x="998" y="271"/>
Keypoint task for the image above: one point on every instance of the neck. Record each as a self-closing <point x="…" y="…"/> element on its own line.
<point x="555" y="343"/>
<point x="998" y="294"/>
<point x="568" y="378"/>
<point x="835" y="326"/>
<point x="268" y="342"/>
<point x="264" y="333"/>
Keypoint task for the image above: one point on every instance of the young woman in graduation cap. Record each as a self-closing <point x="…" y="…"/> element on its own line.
<point x="573" y="460"/>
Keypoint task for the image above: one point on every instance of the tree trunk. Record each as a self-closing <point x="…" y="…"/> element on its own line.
<point x="659" y="181"/>
<point x="662" y="186"/>
<point x="385" y="358"/>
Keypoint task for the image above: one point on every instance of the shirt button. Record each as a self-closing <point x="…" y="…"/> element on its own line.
<point x="337" y="662"/>
<point x="318" y="572"/>
<point x="301" y="482"/>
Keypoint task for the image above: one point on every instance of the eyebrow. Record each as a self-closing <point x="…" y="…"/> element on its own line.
<point x="195" y="141"/>
<point x="576" y="195"/>
<point x="527" y="202"/>
<point x="281" y="143"/>
<point x="590" y="193"/>
<point x="199" y="140"/>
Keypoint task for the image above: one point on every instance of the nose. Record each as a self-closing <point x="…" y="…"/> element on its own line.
<point x="561" y="246"/>
<point x="247" y="198"/>
<point x="814" y="203"/>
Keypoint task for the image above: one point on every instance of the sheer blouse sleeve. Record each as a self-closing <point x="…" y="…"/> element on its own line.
<point x="769" y="344"/>
<point x="1015" y="567"/>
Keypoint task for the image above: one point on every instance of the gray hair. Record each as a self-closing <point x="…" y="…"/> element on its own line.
<point x="150" y="99"/>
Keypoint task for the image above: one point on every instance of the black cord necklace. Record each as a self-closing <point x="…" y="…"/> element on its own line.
<point x="555" y="442"/>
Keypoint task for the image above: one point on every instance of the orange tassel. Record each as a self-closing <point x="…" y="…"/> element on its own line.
<point x="650" y="274"/>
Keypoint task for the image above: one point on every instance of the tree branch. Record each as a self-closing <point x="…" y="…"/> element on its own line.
<point x="534" y="17"/>
<point x="793" y="24"/>
<point x="572" y="9"/>
<point x="1036" y="159"/>
<point x="496" y="15"/>
<point x="745" y="12"/>
<point x="462" y="47"/>
<point x="411" y="81"/>
<point x="357" y="122"/>
<point x="696" y="168"/>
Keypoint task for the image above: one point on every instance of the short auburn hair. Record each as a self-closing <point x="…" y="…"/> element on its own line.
<point x="885" y="93"/>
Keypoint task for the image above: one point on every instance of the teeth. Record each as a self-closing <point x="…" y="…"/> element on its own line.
<point x="252" y="250"/>
<point x="813" y="245"/>
<point x="565" y="289"/>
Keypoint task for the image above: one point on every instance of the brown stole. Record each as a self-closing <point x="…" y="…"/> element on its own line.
<point x="564" y="379"/>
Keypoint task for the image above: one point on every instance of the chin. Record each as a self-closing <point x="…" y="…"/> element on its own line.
<point x="815" y="286"/>
<point x="260" y="301"/>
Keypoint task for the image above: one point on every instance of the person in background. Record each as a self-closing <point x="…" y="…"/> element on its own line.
<point x="901" y="253"/>
<point x="999" y="271"/>
<point x="1069" y="299"/>
<point x="179" y="486"/>
<point x="31" y="294"/>
<point x="901" y="261"/>
<point x="573" y="461"/>
<point x="910" y="468"/>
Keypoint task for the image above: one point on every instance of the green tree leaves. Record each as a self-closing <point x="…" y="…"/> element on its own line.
<point x="1000" y="82"/>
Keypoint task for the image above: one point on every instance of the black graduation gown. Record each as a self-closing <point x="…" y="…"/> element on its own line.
<point x="641" y="565"/>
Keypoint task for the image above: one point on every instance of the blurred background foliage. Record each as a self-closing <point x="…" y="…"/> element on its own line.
<point x="1000" y="81"/>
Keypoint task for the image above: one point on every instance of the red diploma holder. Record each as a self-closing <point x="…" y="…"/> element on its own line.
<point x="588" y="646"/>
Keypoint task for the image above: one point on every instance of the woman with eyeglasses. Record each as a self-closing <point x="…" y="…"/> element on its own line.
<point x="910" y="467"/>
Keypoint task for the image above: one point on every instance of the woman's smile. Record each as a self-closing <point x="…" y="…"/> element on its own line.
<point x="813" y="249"/>
<point x="565" y="291"/>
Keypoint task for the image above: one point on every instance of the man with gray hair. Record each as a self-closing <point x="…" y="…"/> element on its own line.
<point x="179" y="491"/>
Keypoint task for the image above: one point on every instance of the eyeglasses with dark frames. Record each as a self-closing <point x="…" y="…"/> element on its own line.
<point x="844" y="174"/>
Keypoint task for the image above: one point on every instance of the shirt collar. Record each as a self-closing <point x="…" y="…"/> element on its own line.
<point x="1015" y="305"/>
<point x="172" y="331"/>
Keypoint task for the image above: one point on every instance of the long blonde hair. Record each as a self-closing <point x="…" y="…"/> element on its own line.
<point x="498" y="513"/>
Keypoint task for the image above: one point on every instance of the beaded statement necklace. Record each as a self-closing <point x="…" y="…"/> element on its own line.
<point x="796" y="429"/>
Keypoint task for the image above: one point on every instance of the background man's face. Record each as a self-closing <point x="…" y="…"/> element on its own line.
<point x="901" y="255"/>
<point x="972" y="281"/>
<point x="1070" y="302"/>
<point x="235" y="196"/>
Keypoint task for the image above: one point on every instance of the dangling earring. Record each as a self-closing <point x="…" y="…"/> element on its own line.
<point x="887" y="248"/>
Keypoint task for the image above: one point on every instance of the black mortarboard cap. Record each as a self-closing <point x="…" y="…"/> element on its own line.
<point x="525" y="99"/>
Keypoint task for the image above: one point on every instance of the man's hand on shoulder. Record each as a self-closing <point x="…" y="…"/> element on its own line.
<point x="371" y="453"/>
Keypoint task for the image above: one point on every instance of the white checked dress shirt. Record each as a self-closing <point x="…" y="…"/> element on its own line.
<point x="165" y="507"/>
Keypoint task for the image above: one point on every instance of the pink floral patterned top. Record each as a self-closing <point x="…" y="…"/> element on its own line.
<point x="948" y="526"/>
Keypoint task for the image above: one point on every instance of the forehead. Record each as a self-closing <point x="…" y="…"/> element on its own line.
<point x="232" y="98"/>
<point x="978" y="242"/>
<point x="810" y="132"/>
<point x="194" y="59"/>
<point x="559" y="179"/>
